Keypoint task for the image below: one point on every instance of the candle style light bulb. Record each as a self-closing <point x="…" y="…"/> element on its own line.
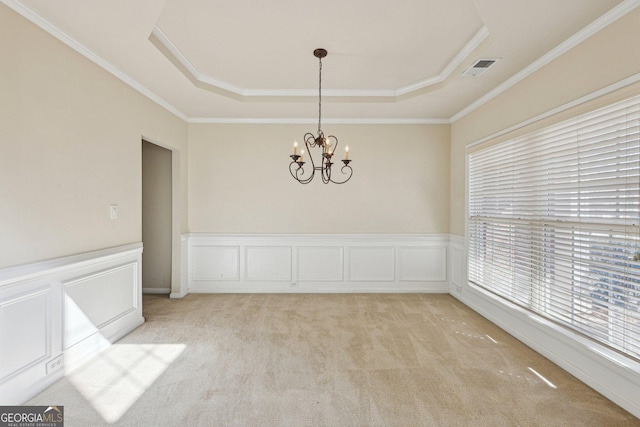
<point x="295" y="148"/>
<point x="301" y="154"/>
<point x="346" y="152"/>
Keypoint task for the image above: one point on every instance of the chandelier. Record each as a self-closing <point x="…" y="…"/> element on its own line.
<point x="327" y="145"/>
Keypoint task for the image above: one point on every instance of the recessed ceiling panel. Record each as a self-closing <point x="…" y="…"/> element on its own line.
<point x="269" y="45"/>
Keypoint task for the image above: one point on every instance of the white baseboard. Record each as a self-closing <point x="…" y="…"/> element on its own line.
<point x="166" y="291"/>
<point x="439" y="288"/>
<point x="610" y="373"/>
<point x="69" y="308"/>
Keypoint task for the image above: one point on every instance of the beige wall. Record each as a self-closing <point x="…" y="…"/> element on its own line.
<point x="70" y="139"/>
<point x="605" y="58"/>
<point x="239" y="180"/>
<point x="71" y="136"/>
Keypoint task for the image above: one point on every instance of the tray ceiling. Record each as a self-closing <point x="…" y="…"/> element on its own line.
<point x="253" y="61"/>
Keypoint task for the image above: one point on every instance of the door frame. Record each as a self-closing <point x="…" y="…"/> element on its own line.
<point x="178" y="248"/>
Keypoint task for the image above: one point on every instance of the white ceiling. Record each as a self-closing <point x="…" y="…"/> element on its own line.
<point x="243" y="60"/>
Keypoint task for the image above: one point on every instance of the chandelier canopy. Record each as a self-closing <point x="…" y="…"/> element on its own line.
<point x="326" y="144"/>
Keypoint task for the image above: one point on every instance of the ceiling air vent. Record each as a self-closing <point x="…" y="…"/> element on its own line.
<point x="479" y="67"/>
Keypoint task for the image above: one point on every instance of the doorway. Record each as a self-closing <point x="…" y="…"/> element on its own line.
<point x="156" y="219"/>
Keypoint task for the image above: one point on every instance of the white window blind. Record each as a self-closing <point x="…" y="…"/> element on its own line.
<point x="554" y="223"/>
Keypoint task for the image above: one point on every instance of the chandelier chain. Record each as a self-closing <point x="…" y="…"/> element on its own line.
<point x="320" y="98"/>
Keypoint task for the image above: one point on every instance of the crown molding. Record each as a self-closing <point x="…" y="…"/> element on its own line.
<point x="65" y="38"/>
<point x="599" y="24"/>
<point x="164" y="44"/>
<point x="586" y="98"/>
<point x="278" y="121"/>
<point x="472" y="45"/>
<point x="357" y="95"/>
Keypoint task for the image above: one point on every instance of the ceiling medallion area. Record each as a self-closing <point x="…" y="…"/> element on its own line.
<point x="206" y="82"/>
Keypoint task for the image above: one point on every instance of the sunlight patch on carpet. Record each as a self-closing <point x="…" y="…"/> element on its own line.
<point x="539" y="375"/>
<point x="114" y="380"/>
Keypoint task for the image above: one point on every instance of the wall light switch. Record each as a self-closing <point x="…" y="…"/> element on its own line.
<point x="113" y="211"/>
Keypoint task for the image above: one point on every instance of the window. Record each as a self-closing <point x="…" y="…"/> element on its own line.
<point x="554" y="223"/>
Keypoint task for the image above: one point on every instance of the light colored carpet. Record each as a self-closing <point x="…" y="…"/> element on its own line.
<point x="323" y="360"/>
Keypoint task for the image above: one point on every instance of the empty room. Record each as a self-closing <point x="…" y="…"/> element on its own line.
<point x="408" y="213"/>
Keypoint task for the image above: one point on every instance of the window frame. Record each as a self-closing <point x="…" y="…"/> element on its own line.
<point x="540" y="229"/>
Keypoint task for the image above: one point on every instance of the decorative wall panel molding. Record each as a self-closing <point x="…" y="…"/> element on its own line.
<point x="317" y="263"/>
<point x="112" y="288"/>
<point x="268" y="263"/>
<point x="215" y="262"/>
<point x="372" y="264"/>
<point x="31" y="345"/>
<point x="423" y="263"/>
<point x="179" y="288"/>
<point x="56" y="314"/>
<point x="457" y="265"/>
<point x="320" y="263"/>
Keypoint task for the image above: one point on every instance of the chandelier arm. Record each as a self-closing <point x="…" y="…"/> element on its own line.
<point x="308" y="180"/>
<point x="311" y="140"/>
<point x="349" y="173"/>
<point x="291" y="166"/>
<point x="299" y="173"/>
<point x="334" y="146"/>
<point x="294" y="168"/>
<point x="309" y="137"/>
<point x="326" y="171"/>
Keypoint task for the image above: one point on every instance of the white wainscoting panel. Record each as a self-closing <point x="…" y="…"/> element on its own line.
<point x="317" y="263"/>
<point x="423" y="263"/>
<point x="112" y="287"/>
<point x="372" y="264"/>
<point x="179" y="288"/>
<point x="25" y="331"/>
<point x="320" y="263"/>
<point x="216" y="262"/>
<point x="69" y="308"/>
<point x="458" y="265"/>
<point x="268" y="263"/>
